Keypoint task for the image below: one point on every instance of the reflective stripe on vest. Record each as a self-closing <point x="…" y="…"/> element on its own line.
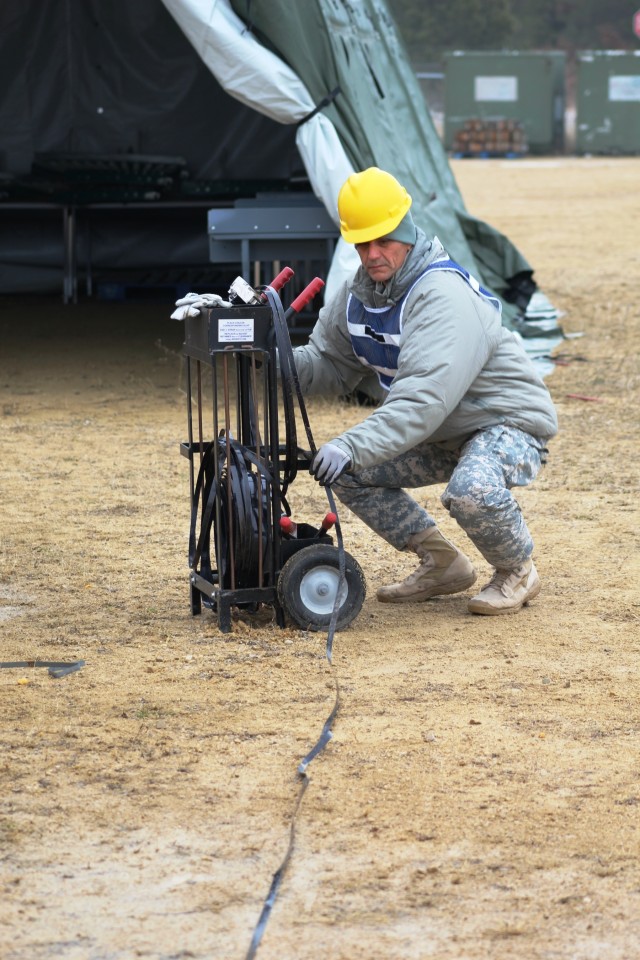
<point x="375" y="331"/>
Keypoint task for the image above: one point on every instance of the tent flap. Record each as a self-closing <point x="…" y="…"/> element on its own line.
<point x="381" y="119"/>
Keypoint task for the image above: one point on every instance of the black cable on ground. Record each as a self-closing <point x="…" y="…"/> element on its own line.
<point x="290" y="375"/>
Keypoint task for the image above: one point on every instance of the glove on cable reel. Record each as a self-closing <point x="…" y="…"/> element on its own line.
<point x="239" y="554"/>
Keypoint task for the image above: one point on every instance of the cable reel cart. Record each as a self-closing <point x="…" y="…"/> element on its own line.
<point x="244" y="550"/>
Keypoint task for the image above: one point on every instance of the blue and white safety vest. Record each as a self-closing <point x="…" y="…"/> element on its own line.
<point x="375" y="331"/>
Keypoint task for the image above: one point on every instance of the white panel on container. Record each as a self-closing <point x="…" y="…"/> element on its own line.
<point x="496" y="88"/>
<point x="624" y="88"/>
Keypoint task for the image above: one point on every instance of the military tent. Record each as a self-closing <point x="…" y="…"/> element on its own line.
<point x="228" y="97"/>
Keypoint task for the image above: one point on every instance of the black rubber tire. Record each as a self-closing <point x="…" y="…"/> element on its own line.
<point x="308" y="584"/>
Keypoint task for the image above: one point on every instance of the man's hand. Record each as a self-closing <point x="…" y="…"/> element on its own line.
<point x="329" y="463"/>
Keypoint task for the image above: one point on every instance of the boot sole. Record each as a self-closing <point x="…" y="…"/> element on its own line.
<point x="487" y="610"/>
<point x="456" y="586"/>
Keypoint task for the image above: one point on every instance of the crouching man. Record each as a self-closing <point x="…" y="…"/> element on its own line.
<point x="463" y="403"/>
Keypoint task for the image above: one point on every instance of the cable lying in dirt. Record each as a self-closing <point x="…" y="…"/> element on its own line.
<point x="284" y="346"/>
<point x="319" y="746"/>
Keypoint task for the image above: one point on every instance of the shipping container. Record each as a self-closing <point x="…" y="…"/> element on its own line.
<point x="608" y="102"/>
<point x="506" y="103"/>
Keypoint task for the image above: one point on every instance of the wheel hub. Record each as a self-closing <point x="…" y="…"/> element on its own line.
<point x="318" y="589"/>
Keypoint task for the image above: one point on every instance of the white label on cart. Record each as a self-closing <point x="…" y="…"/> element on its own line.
<point x="496" y="88"/>
<point x="624" y="88"/>
<point x="235" y="330"/>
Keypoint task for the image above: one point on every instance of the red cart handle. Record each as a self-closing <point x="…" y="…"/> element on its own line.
<point x="283" y="277"/>
<point x="305" y="297"/>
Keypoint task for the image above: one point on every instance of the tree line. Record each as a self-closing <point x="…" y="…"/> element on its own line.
<point x="432" y="27"/>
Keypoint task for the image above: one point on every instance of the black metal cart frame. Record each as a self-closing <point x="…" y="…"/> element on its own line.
<point x="243" y="456"/>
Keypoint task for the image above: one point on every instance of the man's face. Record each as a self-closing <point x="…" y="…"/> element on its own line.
<point x="382" y="258"/>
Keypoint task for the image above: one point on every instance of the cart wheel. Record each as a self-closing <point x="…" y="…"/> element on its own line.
<point x="308" y="584"/>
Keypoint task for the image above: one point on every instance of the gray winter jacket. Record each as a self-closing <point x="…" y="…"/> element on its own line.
<point x="459" y="369"/>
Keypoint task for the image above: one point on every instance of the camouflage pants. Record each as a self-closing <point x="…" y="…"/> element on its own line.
<point x="479" y="477"/>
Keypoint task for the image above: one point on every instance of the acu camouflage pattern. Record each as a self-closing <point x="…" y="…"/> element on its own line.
<point x="479" y="477"/>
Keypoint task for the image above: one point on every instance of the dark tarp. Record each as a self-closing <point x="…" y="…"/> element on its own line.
<point x="115" y="81"/>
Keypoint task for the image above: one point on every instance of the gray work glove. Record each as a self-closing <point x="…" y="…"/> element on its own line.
<point x="193" y="303"/>
<point x="329" y="463"/>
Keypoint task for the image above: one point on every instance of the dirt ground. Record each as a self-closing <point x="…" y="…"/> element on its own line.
<point x="481" y="795"/>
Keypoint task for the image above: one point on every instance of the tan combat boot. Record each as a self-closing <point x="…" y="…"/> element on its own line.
<point x="443" y="569"/>
<point x="508" y="591"/>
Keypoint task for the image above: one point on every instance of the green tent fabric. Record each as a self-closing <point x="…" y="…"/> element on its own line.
<point x="381" y="119"/>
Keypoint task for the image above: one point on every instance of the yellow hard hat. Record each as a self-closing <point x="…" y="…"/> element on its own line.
<point x="371" y="204"/>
